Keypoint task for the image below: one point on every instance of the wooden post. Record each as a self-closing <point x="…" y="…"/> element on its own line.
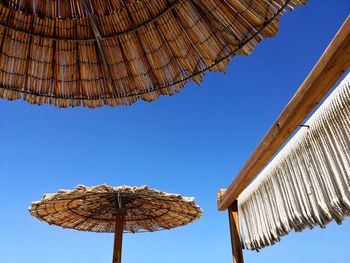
<point x="236" y="242"/>
<point x="118" y="238"/>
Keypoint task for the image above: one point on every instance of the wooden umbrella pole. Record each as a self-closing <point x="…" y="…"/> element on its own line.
<point x="118" y="237"/>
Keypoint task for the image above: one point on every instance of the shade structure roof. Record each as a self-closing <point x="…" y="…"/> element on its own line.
<point x="96" y="209"/>
<point x="115" y="52"/>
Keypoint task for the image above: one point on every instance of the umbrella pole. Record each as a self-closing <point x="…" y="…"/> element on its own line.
<point x="118" y="238"/>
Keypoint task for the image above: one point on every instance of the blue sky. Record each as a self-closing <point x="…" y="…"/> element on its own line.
<point x="192" y="143"/>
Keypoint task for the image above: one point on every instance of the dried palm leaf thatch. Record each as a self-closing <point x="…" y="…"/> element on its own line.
<point x="115" y="52"/>
<point x="96" y="209"/>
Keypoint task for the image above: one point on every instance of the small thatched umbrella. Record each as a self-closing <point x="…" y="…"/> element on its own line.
<point x="114" y="52"/>
<point x="115" y="209"/>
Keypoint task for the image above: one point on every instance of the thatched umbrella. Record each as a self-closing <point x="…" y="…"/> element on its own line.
<point x="115" y="209"/>
<point x="114" y="52"/>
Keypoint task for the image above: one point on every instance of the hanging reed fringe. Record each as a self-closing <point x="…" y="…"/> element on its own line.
<point x="308" y="183"/>
<point x="115" y="52"/>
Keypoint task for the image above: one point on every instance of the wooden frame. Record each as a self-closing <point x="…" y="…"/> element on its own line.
<point x="330" y="67"/>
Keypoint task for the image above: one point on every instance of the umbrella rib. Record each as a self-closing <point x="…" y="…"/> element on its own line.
<point x="69" y="201"/>
<point x="84" y="219"/>
<point x="101" y="207"/>
<point x="149" y="68"/>
<point x="101" y="52"/>
<point x="210" y="14"/>
<point x="91" y="216"/>
<point x="52" y="67"/>
<point x="30" y="43"/>
<point x="168" y="210"/>
<point x="140" y="207"/>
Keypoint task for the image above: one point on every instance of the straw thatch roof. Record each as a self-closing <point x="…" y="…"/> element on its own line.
<point x="114" y="52"/>
<point x="96" y="208"/>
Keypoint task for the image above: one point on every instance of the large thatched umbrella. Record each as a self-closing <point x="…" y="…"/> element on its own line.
<point x="115" y="209"/>
<point x="114" y="52"/>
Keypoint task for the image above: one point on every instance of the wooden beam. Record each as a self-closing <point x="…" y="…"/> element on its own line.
<point x="236" y="242"/>
<point x="220" y="195"/>
<point x="330" y="67"/>
<point x="118" y="238"/>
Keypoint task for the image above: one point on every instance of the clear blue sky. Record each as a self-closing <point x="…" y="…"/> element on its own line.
<point x="192" y="143"/>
